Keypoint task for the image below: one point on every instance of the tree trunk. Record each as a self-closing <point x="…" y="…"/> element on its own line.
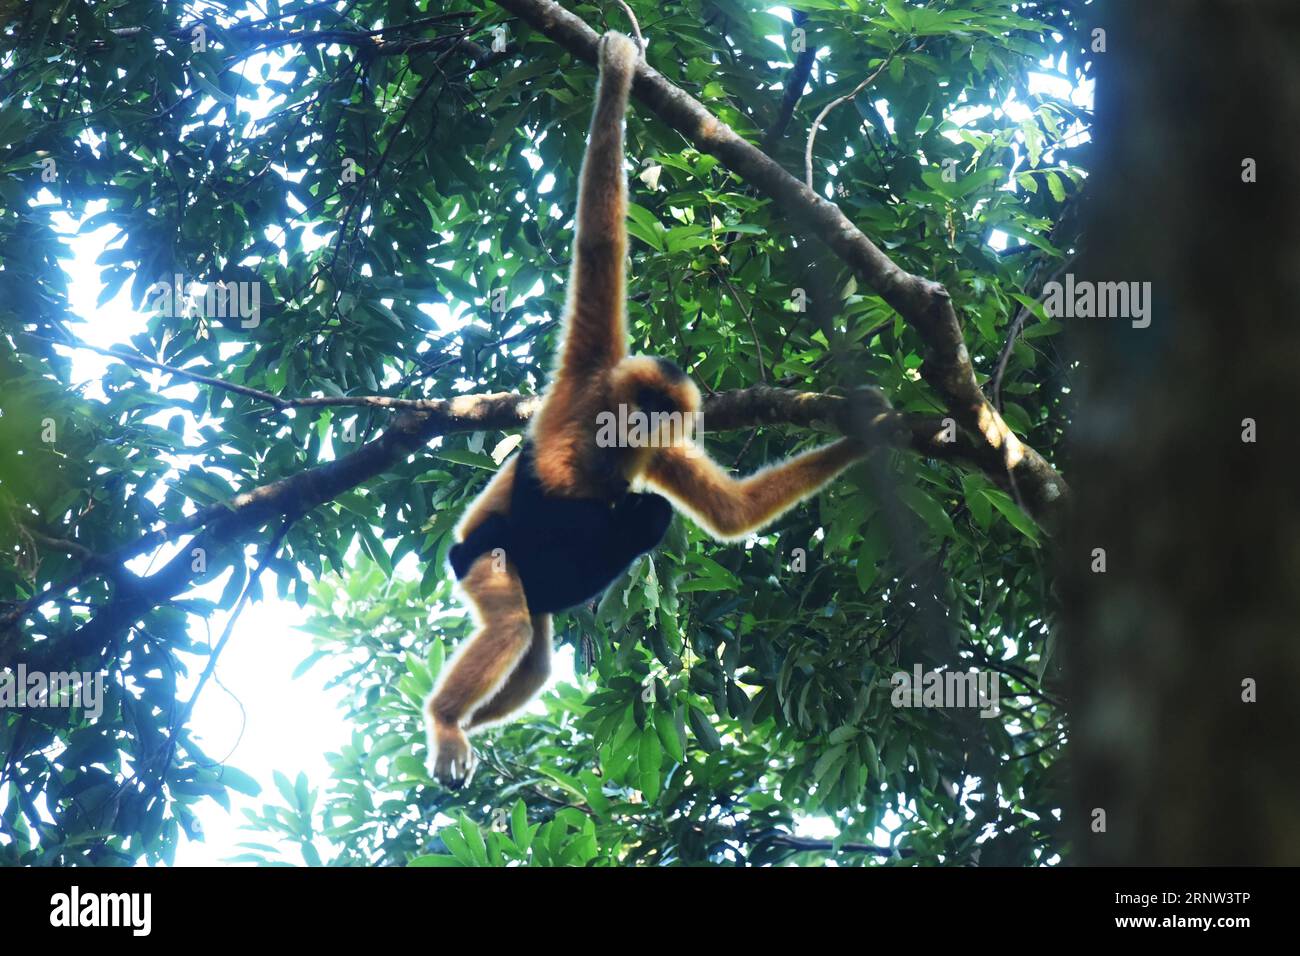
<point x="1201" y="529"/>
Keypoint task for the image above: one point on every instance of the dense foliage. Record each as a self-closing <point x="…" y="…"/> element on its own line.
<point x="725" y="693"/>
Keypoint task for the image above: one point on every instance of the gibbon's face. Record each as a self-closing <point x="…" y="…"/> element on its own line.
<point x="655" y="386"/>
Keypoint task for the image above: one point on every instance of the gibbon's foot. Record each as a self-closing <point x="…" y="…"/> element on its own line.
<point x="452" y="756"/>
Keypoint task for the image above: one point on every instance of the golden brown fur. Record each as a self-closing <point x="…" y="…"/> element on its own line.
<point x="508" y="658"/>
<point x="730" y="508"/>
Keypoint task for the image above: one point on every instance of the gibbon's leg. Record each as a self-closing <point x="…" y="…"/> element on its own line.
<point x="730" y="508"/>
<point x="480" y="667"/>
<point x="528" y="678"/>
<point x="596" y="332"/>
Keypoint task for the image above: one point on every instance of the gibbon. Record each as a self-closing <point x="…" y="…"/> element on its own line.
<point x="559" y="521"/>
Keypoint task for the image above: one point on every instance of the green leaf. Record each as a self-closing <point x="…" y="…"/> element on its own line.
<point x="1056" y="187"/>
<point x="474" y="840"/>
<point x="456" y="843"/>
<point x="927" y="508"/>
<point x="286" y="788"/>
<point x="673" y="744"/>
<point x="462" y="457"/>
<point x="704" y="732"/>
<point x="236" y="779"/>
<point x="457" y="287"/>
<point x="1013" y="513"/>
<point x="650" y="753"/>
<point x="519" y="829"/>
<point x="207" y="73"/>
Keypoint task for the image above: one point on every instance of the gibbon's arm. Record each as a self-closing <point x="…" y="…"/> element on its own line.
<point x="595" y="328"/>
<point x="729" y="508"/>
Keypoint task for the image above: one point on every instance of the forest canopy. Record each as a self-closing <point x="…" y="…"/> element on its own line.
<point x="341" y="238"/>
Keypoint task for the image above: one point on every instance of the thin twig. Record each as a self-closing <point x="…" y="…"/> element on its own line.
<point x="1016" y="325"/>
<point x="181" y="718"/>
<point x="636" y="27"/>
<point x="140" y="360"/>
<point x="275" y="401"/>
<point x="271" y="550"/>
<point x="749" y="319"/>
<point x="812" y="132"/>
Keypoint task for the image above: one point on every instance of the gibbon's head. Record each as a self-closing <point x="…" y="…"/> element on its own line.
<point x="653" y="386"/>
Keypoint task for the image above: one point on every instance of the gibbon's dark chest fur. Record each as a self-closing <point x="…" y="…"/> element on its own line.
<point x="566" y="550"/>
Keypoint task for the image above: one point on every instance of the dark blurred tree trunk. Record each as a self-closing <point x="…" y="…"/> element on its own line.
<point x="1201" y="530"/>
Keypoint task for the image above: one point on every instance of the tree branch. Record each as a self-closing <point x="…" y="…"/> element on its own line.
<point x="987" y="443"/>
<point x="794" y="87"/>
<point x="924" y="304"/>
<point x="810" y="845"/>
<point x="1013" y="330"/>
<point x="812" y="130"/>
<point x="265" y="38"/>
<point x="224" y="526"/>
<point x="804" y="844"/>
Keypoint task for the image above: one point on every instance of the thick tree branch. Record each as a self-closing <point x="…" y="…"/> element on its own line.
<point x="724" y="411"/>
<point x="924" y="304"/>
<point x="223" y="527"/>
